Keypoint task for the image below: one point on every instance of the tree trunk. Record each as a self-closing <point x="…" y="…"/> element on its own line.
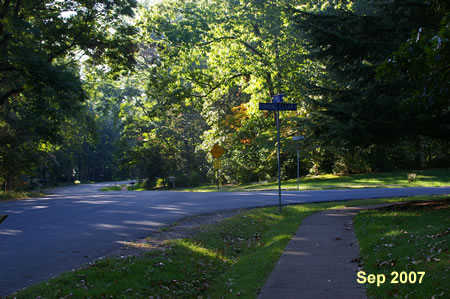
<point x="8" y="183"/>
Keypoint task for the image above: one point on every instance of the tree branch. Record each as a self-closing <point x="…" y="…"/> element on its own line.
<point x="216" y="40"/>
<point x="7" y="68"/>
<point x="220" y="84"/>
<point x="247" y="45"/>
<point x="75" y="39"/>
<point x="9" y="94"/>
<point x="251" y="48"/>
<point x="37" y="4"/>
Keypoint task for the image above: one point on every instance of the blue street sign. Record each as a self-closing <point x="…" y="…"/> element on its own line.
<point x="268" y="106"/>
<point x="278" y="98"/>
<point x="277" y="106"/>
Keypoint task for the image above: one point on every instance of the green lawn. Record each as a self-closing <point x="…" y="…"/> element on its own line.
<point x="409" y="239"/>
<point x="233" y="257"/>
<point x="111" y="188"/>
<point x="424" y="178"/>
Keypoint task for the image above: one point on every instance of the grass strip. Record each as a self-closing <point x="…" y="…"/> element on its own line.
<point x="111" y="188"/>
<point x="136" y="187"/>
<point x="408" y="238"/>
<point x="19" y="195"/>
<point x="230" y="258"/>
<point x="424" y="178"/>
<point x="119" y="188"/>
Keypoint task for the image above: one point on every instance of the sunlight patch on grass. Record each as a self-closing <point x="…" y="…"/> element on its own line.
<point x="200" y="250"/>
<point x="136" y="244"/>
<point x="278" y="239"/>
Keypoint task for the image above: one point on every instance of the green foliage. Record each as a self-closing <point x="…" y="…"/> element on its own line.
<point x="384" y="83"/>
<point x="41" y="90"/>
<point x="419" y="67"/>
<point x="39" y="40"/>
<point x="228" y="56"/>
<point x="350" y="163"/>
<point x="160" y="183"/>
<point x="102" y="90"/>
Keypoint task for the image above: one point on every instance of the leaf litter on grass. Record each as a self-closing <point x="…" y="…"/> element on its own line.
<point x="407" y="238"/>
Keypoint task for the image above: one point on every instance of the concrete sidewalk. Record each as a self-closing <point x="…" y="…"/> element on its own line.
<point x="321" y="260"/>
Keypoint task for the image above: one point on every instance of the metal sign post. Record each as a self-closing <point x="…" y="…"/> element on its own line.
<point x="217" y="167"/>
<point x="298" y="138"/>
<point x="276" y="106"/>
<point x="298" y="168"/>
<point x="278" y="160"/>
<point x="217" y="151"/>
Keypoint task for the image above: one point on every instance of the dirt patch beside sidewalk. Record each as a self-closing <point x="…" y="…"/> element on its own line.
<point x="182" y="229"/>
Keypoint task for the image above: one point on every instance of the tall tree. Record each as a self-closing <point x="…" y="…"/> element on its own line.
<point x="230" y="53"/>
<point x="366" y="98"/>
<point x="41" y="45"/>
<point x="39" y="38"/>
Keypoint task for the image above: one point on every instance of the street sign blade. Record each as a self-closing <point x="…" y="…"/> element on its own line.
<point x="268" y="106"/>
<point x="277" y="106"/>
<point x="286" y="106"/>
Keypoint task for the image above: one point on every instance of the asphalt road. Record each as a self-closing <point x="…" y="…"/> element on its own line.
<point x="44" y="237"/>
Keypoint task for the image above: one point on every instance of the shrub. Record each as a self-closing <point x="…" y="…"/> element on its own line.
<point x="160" y="182"/>
<point x="351" y="163"/>
<point x="194" y="178"/>
<point x="149" y="184"/>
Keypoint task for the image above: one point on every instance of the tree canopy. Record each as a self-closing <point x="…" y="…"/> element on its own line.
<point x="102" y="89"/>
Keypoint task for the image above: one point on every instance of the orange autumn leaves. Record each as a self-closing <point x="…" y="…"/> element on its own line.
<point x="235" y="120"/>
